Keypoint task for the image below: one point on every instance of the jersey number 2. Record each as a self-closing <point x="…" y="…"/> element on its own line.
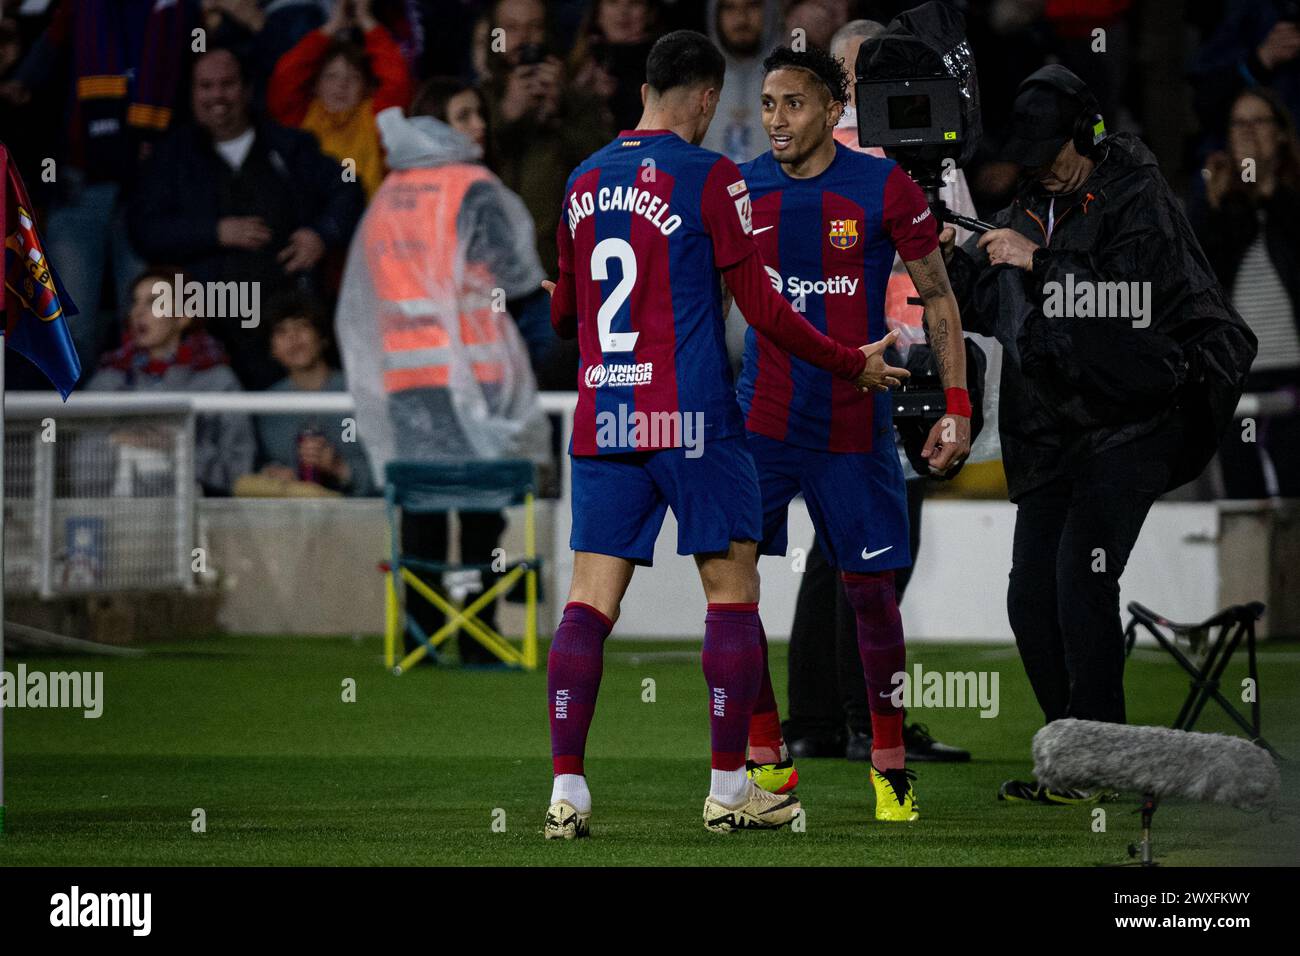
<point x="621" y="250"/>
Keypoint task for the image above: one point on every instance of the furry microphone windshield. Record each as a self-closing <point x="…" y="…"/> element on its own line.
<point x="1215" y="768"/>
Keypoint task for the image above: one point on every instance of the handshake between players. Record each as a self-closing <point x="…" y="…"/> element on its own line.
<point x="804" y="238"/>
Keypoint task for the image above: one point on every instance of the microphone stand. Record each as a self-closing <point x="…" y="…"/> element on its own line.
<point x="1148" y="810"/>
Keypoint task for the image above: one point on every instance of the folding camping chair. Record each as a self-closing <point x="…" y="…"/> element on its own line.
<point x="1212" y="650"/>
<point x="427" y="488"/>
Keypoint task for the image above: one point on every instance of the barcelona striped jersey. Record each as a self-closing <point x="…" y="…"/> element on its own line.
<point x="828" y="246"/>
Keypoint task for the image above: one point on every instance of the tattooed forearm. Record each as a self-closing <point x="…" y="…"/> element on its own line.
<point x="941" y="318"/>
<point x="930" y="277"/>
<point x="946" y="344"/>
<point x="939" y="345"/>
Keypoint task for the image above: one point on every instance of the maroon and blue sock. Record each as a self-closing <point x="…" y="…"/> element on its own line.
<point x="733" y="669"/>
<point x="573" y="670"/>
<point x="880" y="645"/>
<point x="765" y="723"/>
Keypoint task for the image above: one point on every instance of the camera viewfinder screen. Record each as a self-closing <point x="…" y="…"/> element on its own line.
<point x="909" y="112"/>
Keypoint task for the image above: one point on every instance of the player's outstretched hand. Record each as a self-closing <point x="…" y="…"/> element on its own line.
<point x="948" y="443"/>
<point x="549" y="286"/>
<point x="878" y="376"/>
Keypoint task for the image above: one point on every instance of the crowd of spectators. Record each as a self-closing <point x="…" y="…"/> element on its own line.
<point x="235" y="140"/>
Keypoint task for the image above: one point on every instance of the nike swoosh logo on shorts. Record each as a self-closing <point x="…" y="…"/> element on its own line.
<point x="763" y="229"/>
<point x="868" y="555"/>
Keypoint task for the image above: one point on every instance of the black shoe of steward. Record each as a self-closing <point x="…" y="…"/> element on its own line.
<point x="1030" y="791"/>
<point x="858" y="747"/>
<point x="802" y="748"/>
<point x="921" y="747"/>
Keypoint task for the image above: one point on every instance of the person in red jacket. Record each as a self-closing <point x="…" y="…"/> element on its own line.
<point x="331" y="87"/>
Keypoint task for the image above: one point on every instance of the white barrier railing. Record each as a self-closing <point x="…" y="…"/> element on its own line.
<point x="28" y="409"/>
<point x="46" y="515"/>
<point x="98" y="500"/>
<point x="99" y="404"/>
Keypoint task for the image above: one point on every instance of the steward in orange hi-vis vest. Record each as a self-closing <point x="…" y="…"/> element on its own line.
<point x="434" y="360"/>
<point x="416" y="205"/>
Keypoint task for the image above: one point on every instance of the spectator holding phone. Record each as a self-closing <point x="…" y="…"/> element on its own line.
<point x="609" y="57"/>
<point x="332" y="88"/>
<point x="1257" y="44"/>
<point x="543" y="126"/>
<point x="1250" y="229"/>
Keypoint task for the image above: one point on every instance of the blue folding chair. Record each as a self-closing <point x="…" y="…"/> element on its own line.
<point x="429" y="488"/>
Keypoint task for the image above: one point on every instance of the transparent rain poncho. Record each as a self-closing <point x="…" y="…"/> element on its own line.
<point x="434" y="361"/>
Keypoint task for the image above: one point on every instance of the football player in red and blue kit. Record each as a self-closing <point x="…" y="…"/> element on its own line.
<point x="649" y="222"/>
<point x="828" y="221"/>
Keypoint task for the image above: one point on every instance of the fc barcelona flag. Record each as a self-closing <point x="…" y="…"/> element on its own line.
<point x="36" y="305"/>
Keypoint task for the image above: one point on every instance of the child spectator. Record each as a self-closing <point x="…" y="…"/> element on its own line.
<point x="163" y="351"/>
<point x="330" y="87"/>
<point x="308" y="447"/>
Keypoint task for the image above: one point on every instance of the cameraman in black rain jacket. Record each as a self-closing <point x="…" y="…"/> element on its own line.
<point x="1124" y="362"/>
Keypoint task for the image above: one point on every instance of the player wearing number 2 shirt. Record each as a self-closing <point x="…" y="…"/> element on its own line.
<point x="828" y="221"/>
<point x="649" y="224"/>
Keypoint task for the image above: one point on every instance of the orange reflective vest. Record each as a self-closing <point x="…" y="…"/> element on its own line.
<point x="429" y="315"/>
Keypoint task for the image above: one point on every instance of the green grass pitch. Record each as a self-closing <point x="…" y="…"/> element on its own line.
<point x="443" y="766"/>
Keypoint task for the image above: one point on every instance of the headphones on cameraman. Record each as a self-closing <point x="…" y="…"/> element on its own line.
<point x="1089" y="127"/>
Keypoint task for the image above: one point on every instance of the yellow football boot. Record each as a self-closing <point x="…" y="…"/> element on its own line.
<point x="895" y="795"/>
<point x="780" y="777"/>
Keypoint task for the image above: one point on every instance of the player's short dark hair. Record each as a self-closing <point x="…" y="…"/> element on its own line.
<point x="684" y="58"/>
<point x="816" y="61"/>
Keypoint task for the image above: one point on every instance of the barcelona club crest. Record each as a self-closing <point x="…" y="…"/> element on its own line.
<point x="844" y="233"/>
<point x="26" y="273"/>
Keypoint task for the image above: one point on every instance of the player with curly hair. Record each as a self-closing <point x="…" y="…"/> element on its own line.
<point x="828" y="221"/>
